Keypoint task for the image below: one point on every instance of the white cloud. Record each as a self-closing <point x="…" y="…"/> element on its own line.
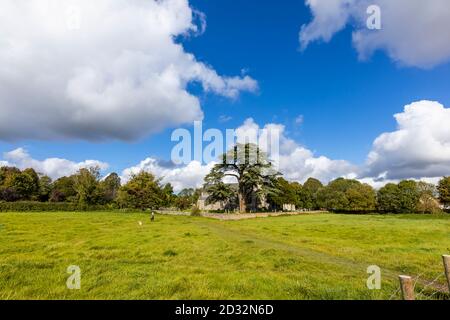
<point x="296" y="162"/>
<point x="299" y="120"/>
<point x="104" y="69"/>
<point x="53" y="167"/>
<point x="189" y="176"/>
<point x="414" y="32"/>
<point x="419" y="148"/>
<point x="224" y="118"/>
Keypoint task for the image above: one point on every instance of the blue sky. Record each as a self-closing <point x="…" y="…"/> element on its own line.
<point x="345" y="103"/>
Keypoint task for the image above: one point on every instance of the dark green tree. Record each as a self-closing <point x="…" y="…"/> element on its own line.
<point x="285" y="193"/>
<point x="110" y="187"/>
<point x="401" y="198"/>
<point x="87" y="186"/>
<point x="8" y="176"/>
<point x="309" y="193"/>
<point x="143" y="191"/>
<point x="63" y="189"/>
<point x="25" y="184"/>
<point x="168" y="195"/>
<point x="45" y="188"/>
<point x="361" y="198"/>
<point x="444" y="191"/>
<point x="31" y="189"/>
<point x="347" y="196"/>
<point x="409" y="196"/>
<point x="388" y="199"/>
<point x="251" y="168"/>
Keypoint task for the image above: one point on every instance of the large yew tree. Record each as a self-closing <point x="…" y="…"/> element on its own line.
<point x="252" y="170"/>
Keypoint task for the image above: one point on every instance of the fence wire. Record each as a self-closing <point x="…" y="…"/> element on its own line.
<point x="421" y="294"/>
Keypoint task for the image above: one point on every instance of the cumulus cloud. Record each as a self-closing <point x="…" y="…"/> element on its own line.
<point x="53" y="167"/>
<point x="413" y="32"/>
<point x="189" y="176"/>
<point x="419" y="148"/>
<point x="299" y="120"/>
<point x="104" y="69"/>
<point x="296" y="162"/>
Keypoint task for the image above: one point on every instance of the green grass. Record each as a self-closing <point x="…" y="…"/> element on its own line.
<point x="299" y="257"/>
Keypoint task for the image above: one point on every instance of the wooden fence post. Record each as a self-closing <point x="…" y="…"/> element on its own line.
<point x="407" y="287"/>
<point x="446" y="260"/>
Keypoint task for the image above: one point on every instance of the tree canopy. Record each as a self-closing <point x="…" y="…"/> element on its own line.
<point x="346" y="195"/>
<point x="444" y="191"/>
<point x="143" y="191"/>
<point x="251" y="169"/>
<point x="256" y="183"/>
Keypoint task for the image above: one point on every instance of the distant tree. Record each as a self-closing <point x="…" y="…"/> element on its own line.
<point x="86" y="185"/>
<point x="32" y="188"/>
<point x="409" y="196"/>
<point x="444" y="191"/>
<point x="183" y="203"/>
<point x="9" y="194"/>
<point x="63" y="189"/>
<point x="168" y="195"/>
<point x="18" y="185"/>
<point x="187" y="198"/>
<point x="297" y="190"/>
<point x="309" y="192"/>
<point x="25" y="183"/>
<point x="5" y="173"/>
<point x="361" y="198"/>
<point x="8" y="176"/>
<point x="110" y="187"/>
<point x="45" y="188"/>
<point x="251" y="168"/>
<point x="428" y="198"/>
<point x="284" y="193"/>
<point x="401" y="198"/>
<point x="312" y="185"/>
<point x="388" y="198"/>
<point x="347" y="196"/>
<point x="331" y="199"/>
<point x="143" y="191"/>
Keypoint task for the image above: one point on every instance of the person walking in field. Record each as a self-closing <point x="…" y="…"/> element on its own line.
<point x="153" y="217"/>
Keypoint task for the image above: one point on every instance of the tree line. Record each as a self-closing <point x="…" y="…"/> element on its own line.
<point x="256" y="182"/>
<point x="88" y="188"/>
<point x="347" y="195"/>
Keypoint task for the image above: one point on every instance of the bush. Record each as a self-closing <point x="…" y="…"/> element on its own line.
<point x="195" y="212"/>
<point x="30" y="206"/>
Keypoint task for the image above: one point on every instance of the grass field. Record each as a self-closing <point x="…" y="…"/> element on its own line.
<point x="323" y="256"/>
